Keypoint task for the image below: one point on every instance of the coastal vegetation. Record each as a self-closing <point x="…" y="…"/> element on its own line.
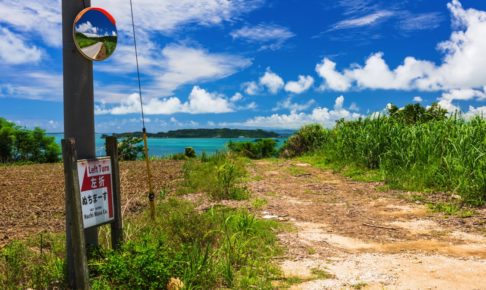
<point x="205" y="133"/>
<point x="413" y="148"/>
<point x="18" y="144"/>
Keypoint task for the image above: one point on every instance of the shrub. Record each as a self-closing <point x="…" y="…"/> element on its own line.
<point x="261" y="148"/>
<point x="190" y="152"/>
<point x="129" y="148"/>
<point x="308" y="139"/>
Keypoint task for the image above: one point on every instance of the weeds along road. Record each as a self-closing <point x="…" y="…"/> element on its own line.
<point x="350" y="234"/>
<point x="343" y="234"/>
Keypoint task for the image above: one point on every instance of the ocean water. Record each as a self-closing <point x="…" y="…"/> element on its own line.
<point x="161" y="147"/>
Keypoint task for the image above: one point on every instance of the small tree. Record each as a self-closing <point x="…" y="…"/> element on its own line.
<point x="130" y="148"/>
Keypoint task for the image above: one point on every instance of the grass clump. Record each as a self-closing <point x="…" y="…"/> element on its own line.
<point x="218" y="248"/>
<point x="413" y="148"/>
<point x="220" y="175"/>
<point x="37" y="263"/>
<point x="260" y="148"/>
<point x="214" y="249"/>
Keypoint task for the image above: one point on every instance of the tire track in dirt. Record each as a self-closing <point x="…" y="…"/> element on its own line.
<point x="366" y="238"/>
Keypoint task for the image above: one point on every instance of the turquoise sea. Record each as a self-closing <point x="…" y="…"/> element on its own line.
<point x="167" y="146"/>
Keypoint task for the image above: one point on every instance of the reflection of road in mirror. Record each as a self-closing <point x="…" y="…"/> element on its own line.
<point x="94" y="50"/>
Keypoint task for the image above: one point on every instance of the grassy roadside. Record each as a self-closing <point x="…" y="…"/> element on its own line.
<point x="218" y="247"/>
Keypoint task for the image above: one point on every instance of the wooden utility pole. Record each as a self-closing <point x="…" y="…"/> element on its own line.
<point x="78" y="96"/>
<point x="77" y="270"/>
<point x="116" y="226"/>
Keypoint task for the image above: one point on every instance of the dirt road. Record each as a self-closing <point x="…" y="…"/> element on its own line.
<point x="351" y="235"/>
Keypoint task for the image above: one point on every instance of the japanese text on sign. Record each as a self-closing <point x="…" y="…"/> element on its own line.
<point x="95" y="182"/>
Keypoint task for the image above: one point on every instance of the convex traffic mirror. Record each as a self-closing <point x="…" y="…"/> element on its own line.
<point x="95" y="33"/>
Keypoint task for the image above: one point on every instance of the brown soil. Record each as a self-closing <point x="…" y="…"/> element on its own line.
<point x="32" y="196"/>
<point x="365" y="238"/>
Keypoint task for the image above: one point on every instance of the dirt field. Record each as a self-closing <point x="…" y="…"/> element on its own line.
<point x="355" y="237"/>
<point x="32" y="196"/>
<point x="346" y="234"/>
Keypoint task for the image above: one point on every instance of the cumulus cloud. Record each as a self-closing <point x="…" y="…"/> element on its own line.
<point x="272" y="81"/>
<point x="14" y="50"/>
<point x="271" y="36"/>
<point x="199" y="101"/>
<point x="418" y="99"/>
<point x="463" y="66"/>
<point x="299" y="86"/>
<point x="251" y="88"/>
<point x="322" y="115"/>
<point x="333" y="79"/>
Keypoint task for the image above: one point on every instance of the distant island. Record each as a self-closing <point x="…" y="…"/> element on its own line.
<point x="204" y="133"/>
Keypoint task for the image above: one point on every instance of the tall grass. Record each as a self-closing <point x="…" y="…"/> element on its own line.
<point x="446" y="155"/>
<point x="219" y="248"/>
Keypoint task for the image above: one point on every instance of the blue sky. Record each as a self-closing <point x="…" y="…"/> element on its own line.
<point x="251" y="63"/>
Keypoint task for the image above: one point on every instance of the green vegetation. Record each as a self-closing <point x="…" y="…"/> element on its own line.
<point x="218" y="248"/>
<point x="109" y="42"/>
<point x="84" y="41"/>
<point x="261" y="148"/>
<point x="308" y="139"/>
<point x="413" y="148"/>
<point x="20" y="145"/>
<point x="36" y="263"/>
<point x="130" y="148"/>
<point x="220" y="175"/>
<point x="206" y="133"/>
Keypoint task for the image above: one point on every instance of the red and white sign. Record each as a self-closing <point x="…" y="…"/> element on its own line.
<point x="96" y="186"/>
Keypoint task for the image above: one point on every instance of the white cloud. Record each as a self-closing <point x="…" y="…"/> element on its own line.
<point x="236" y="97"/>
<point x="272" y="36"/>
<point x="251" y="88"/>
<point x="333" y="79"/>
<point x="446" y="100"/>
<point x="199" y="102"/>
<point x="42" y="18"/>
<point x="354" y="107"/>
<point x="14" y="50"/>
<point x="473" y="112"/>
<point x="169" y="15"/>
<point x="185" y="65"/>
<point x="367" y="20"/>
<point x="424" y="21"/>
<point x="325" y="116"/>
<point x="418" y="99"/>
<point x="300" y="86"/>
<point x="287" y="104"/>
<point x="464" y="64"/>
<point x="87" y="29"/>
<point x="272" y="81"/>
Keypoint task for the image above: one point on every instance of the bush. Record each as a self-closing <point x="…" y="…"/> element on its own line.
<point x="190" y="152"/>
<point x="129" y="148"/>
<point x="220" y="176"/>
<point x="308" y="139"/>
<point x="18" y="144"/>
<point x="219" y="248"/>
<point x="261" y="148"/>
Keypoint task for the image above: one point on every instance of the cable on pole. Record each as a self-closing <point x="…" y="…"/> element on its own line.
<point x="151" y="195"/>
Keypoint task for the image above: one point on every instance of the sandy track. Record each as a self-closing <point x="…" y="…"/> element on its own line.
<point x="366" y="238"/>
<point x="32" y="196"/>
